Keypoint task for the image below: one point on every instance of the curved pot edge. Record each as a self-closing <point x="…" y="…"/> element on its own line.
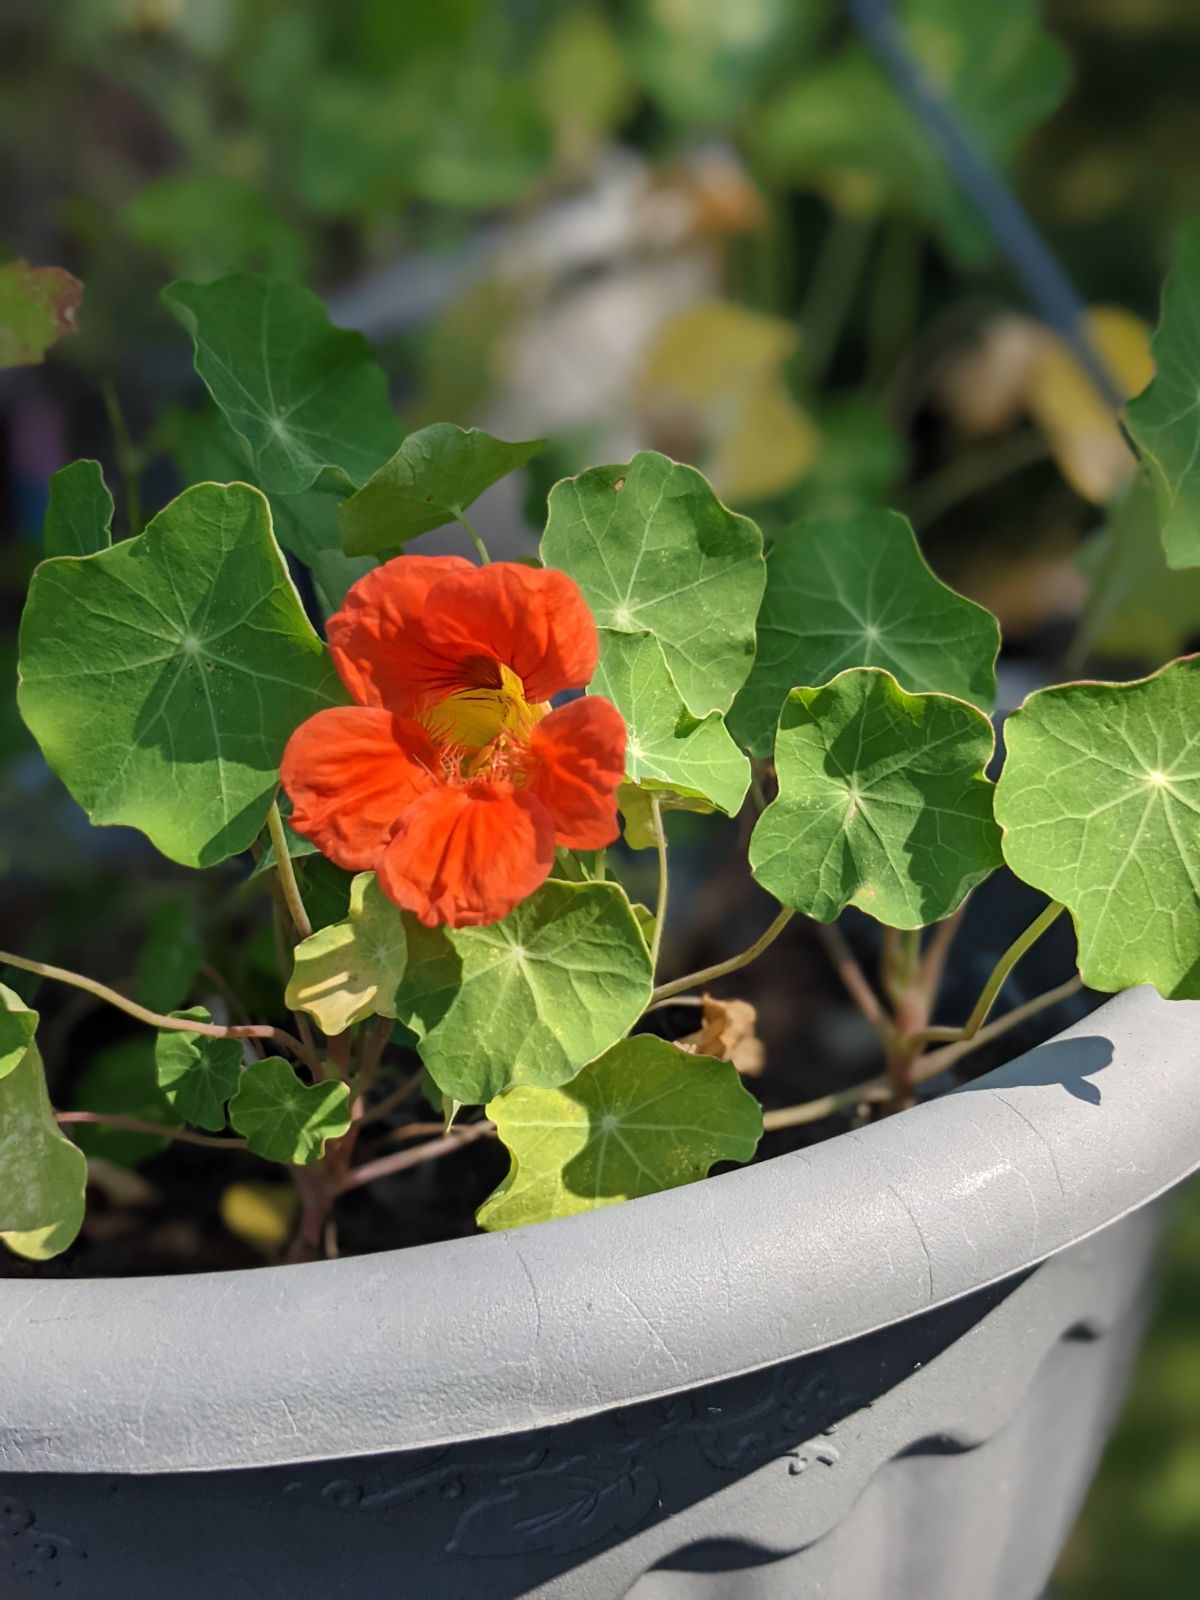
<point x="489" y="1335"/>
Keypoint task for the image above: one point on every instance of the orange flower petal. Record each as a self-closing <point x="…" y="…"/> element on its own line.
<point x="575" y="761"/>
<point x="530" y="619"/>
<point x="379" y="629"/>
<point x="465" y="856"/>
<point x="350" y="772"/>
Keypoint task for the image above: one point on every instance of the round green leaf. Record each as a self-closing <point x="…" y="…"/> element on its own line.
<point x="162" y="677"/>
<point x="42" y="1174"/>
<point x="197" y="1073"/>
<point x="282" y="1119"/>
<point x="528" y="999"/>
<point x="646" y="1116"/>
<point x="300" y="394"/>
<point x="432" y="479"/>
<point x="1098" y="802"/>
<point x="79" y="516"/>
<point x="668" y="748"/>
<point x="654" y="551"/>
<point x="854" y="591"/>
<point x="1164" y="420"/>
<point x="882" y="802"/>
<point x="350" y="971"/>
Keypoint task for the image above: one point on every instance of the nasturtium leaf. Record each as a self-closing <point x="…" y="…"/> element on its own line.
<point x="637" y="813"/>
<point x="432" y="479"/>
<point x="654" y="551"/>
<point x="1165" y="419"/>
<point x="1098" y="803"/>
<point x="300" y="394"/>
<point x="170" y="956"/>
<point x="667" y="747"/>
<point x="645" y="1117"/>
<point x="196" y="1073"/>
<point x="282" y="1119"/>
<point x="350" y="971"/>
<point x="79" y="516"/>
<point x="528" y="999"/>
<point x="882" y="802"/>
<point x="1138" y="608"/>
<point x="38" y="306"/>
<point x="42" y="1174"/>
<point x="163" y="677"/>
<point x="122" y="1078"/>
<point x="854" y="591"/>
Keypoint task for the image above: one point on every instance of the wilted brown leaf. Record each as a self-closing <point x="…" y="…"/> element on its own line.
<point x="727" y="1032"/>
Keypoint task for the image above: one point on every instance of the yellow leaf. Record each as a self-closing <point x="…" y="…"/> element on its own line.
<point x="260" y="1214"/>
<point x="1080" y="428"/>
<point x="351" y="970"/>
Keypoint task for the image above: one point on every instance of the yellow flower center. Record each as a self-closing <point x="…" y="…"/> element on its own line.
<point x="495" y="704"/>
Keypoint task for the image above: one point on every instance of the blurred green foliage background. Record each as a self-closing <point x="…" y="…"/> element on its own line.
<point x="704" y="226"/>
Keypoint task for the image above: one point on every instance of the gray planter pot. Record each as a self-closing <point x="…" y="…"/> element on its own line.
<point x="882" y="1369"/>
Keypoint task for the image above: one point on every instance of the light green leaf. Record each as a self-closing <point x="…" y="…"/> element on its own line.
<point x="1138" y="608"/>
<point x="637" y="813"/>
<point x="42" y="1174"/>
<point x="17" y="1027"/>
<point x="38" y="306"/>
<point x="432" y="479"/>
<point x="300" y="394"/>
<point x="528" y="999"/>
<point x="282" y="1119"/>
<point x="350" y="971"/>
<point x="163" y="677"/>
<point x="854" y="591"/>
<point x="79" y="516"/>
<point x="645" y="1117"/>
<point x="1098" y="801"/>
<point x="668" y="748"/>
<point x="196" y="1073"/>
<point x="1164" y="420"/>
<point x="882" y="802"/>
<point x="207" y="223"/>
<point x="654" y="551"/>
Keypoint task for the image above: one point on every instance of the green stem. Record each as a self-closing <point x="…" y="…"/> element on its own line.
<point x="129" y="459"/>
<point x="155" y="1019"/>
<point x="874" y="1090"/>
<point x="287" y="873"/>
<point x="480" y="548"/>
<point x="996" y="981"/>
<point x="660" y="913"/>
<point x="938" y="1060"/>
<point x="708" y="974"/>
<point x="112" y="1119"/>
<point x="970" y="473"/>
<point x="831" y="289"/>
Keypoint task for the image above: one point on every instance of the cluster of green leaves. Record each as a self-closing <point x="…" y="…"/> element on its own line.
<point x="162" y="675"/>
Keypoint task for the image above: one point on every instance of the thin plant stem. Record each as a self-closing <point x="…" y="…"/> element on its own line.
<point x="225" y="989"/>
<point x="879" y="1089"/>
<point x="402" y="1160"/>
<point x="999" y="976"/>
<point x="287" y="874"/>
<point x="707" y="974"/>
<point x="396" y="1097"/>
<point x="928" y="1066"/>
<point x="895" y="286"/>
<point x="875" y="1090"/>
<point x="481" y="549"/>
<point x="969" y="474"/>
<point x="129" y="459"/>
<point x="155" y="1019"/>
<point x="112" y="1119"/>
<point x="854" y="979"/>
<point x="660" y="913"/>
<point x="831" y="289"/>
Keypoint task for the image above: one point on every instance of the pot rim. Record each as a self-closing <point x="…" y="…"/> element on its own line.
<point x="469" y="1339"/>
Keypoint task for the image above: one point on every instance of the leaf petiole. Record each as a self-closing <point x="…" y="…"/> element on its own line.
<point x="708" y="974"/>
<point x="287" y="873"/>
<point x="996" y="982"/>
<point x="481" y="549"/>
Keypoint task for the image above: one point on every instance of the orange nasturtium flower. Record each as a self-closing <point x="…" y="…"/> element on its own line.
<point x="451" y="777"/>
